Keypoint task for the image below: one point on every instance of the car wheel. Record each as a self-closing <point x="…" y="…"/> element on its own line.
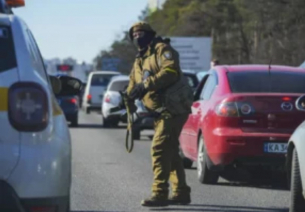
<point x="106" y="122"/>
<point x="74" y="121"/>
<point x="187" y="163"/>
<point x="205" y="175"/>
<point x="297" y="201"/>
<point x="136" y="134"/>
<point x="68" y="207"/>
<point x="115" y="123"/>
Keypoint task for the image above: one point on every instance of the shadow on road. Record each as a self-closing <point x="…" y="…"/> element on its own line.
<point x="97" y="126"/>
<point x="97" y="211"/>
<point x="260" y="185"/>
<point x="220" y="208"/>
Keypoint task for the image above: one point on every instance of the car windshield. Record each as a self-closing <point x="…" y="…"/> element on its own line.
<point x="201" y="74"/>
<point x="101" y="79"/>
<point x="262" y="82"/>
<point x="192" y="80"/>
<point x="119" y="85"/>
<point x="7" y="50"/>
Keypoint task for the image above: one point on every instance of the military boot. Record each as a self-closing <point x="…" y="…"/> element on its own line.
<point x="155" y="201"/>
<point x="180" y="199"/>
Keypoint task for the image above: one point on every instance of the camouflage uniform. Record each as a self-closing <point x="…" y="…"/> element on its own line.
<point x="162" y="61"/>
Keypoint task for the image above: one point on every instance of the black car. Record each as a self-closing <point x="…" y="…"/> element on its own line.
<point x="192" y="78"/>
<point x="145" y="121"/>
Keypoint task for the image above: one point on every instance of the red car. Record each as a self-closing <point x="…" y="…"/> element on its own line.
<point x="242" y="116"/>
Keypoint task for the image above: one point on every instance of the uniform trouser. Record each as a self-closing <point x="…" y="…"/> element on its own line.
<point x="166" y="161"/>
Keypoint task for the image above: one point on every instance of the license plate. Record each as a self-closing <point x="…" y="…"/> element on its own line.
<point x="275" y="147"/>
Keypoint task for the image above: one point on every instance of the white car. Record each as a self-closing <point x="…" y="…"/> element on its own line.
<point x="112" y="99"/>
<point x="35" y="143"/>
<point x="296" y="163"/>
<point x="96" y="86"/>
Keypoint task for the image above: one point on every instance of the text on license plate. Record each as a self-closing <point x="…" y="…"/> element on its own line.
<point x="275" y="147"/>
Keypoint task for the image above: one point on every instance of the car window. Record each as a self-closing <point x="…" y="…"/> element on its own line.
<point x="262" y="81"/>
<point x="208" y="88"/>
<point x="101" y="79"/>
<point x="201" y="74"/>
<point x="119" y="85"/>
<point x="192" y="80"/>
<point x="37" y="60"/>
<point x="199" y="88"/>
<point x="7" y="50"/>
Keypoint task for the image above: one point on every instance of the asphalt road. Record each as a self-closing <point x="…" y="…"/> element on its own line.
<point x="108" y="179"/>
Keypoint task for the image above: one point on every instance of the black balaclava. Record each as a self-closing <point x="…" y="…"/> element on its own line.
<point x="142" y="42"/>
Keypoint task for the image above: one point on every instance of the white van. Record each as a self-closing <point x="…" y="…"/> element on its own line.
<point x="95" y="89"/>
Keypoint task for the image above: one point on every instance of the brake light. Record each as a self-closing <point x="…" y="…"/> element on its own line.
<point x="234" y="109"/>
<point x="228" y="109"/>
<point x="28" y="107"/>
<point x="73" y="101"/>
<point x="286" y="99"/>
<point x="89" y="97"/>
<point x="107" y="99"/>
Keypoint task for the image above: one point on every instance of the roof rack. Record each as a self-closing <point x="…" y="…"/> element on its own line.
<point x="7" y="5"/>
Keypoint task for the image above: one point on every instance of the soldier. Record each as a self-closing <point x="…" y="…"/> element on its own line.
<point x="156" y="79"/>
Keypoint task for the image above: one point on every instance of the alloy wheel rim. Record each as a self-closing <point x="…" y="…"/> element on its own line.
<point x="200" y="157"/>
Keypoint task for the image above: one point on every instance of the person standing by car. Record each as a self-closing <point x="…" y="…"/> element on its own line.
<point x="155" y="79"/>
<point x="214" y="63"/>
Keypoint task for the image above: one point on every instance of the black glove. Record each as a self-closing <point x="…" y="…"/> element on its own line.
<point x="138" y="91"/>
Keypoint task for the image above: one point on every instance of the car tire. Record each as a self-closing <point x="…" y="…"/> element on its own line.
<point x="68" y="207"/>
<point x="136" y="134"/>
<point x="106" y="122"/>
<point x="115" y="123"/>
<point x="74" y="121"/>
<point x="297" y="201"/>
<point x="187" y="163"/>
<point x="205" y="175"/>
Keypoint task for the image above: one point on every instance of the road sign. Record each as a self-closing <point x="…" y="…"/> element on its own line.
<point x="110" y="64"/>
<point x="195" y="52"/>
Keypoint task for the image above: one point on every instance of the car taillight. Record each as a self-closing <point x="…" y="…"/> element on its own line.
<point x="107" y="99"/>
<point x="73" y="101"/>
<point x="89" y="97"/>
<point x="227" y="109"/>
<point x="245" y="109"/>
<point x="234" y="109"/>
<point x="28" y="107"/>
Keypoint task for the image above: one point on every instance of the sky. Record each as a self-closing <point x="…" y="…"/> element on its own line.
<point x="78" y="28"/>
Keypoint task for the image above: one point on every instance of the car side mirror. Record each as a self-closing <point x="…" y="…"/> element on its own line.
<point x="56" y="84"/>
<point x="70" y="86"/>
<point x="300" y="103"/>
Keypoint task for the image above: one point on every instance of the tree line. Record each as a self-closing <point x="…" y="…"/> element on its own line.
<point x="243" y="31"/>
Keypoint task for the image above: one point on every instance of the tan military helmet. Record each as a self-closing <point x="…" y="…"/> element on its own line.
<point x="140" y="26"/>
